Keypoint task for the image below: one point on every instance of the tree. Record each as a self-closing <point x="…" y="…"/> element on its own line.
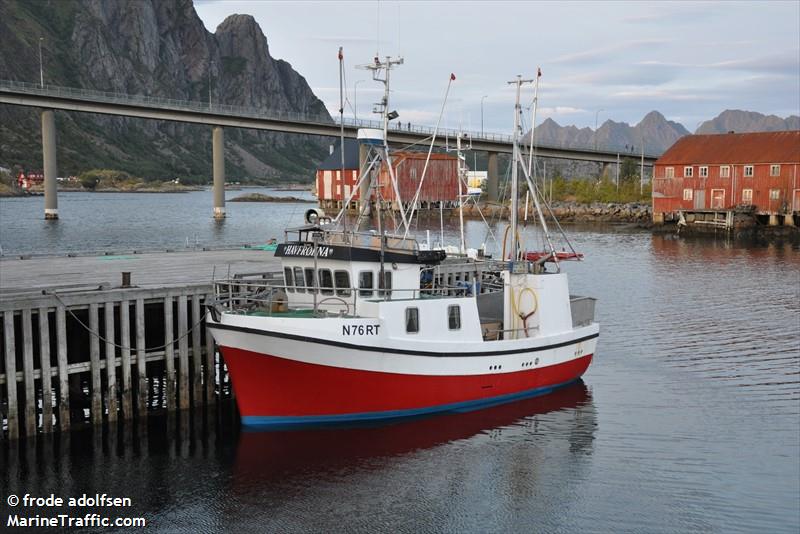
<point x="629" y="171"/>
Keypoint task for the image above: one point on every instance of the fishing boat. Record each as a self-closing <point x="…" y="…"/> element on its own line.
<point x="365" y="325"/>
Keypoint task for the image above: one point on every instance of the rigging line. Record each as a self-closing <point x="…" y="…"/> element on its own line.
<point x="430" y="148"/>
<point x="502" y="201"/>
<point x="475" y="203"/>
<point x="123" y="347"/>
<point x="406" y="147"/>
<point x="558" y="225"/>
<point x="534" y="191"/>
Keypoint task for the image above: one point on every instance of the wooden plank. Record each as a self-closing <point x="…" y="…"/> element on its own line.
<point x="111" y="363"/>
<point x="197" y="351"/>
<point x="183" y="355"/>
<point x="94" y="359"/>
<point x="44" y="365"/>
<point x="31" y="422"/>
<point x="169" y="353"/>
<point x="150" y="269"/>
<point x="210" y="367"/>
<point x="141" y="363"/>
<point x="125" y="353"/>
<point x="63" y="373"/>
<point x="11" y="374"/>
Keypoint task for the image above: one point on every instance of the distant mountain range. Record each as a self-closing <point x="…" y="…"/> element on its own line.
<point x="657" y="133"/>
<point x="748" y="121"/>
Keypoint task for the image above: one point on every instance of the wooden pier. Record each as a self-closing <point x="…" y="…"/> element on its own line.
<point x="78" y="335"/>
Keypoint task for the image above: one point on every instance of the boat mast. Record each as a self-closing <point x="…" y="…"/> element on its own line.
<point x="383" y="108"/>
<point x="461" y="181"/>
<point x="515" y="157"/>
<point x="341" y="131"/>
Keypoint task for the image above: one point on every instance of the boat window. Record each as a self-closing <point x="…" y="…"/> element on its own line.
<point x="342" y="281"/>
<point x="412" y="320"/>
<point x="385" y="283"/>
<point x="325" y="282"/>
<point x="311" y="282"/>
<point x="298" y="279"/>
<point x="365" y="284"/>
<point x="454" y="317"/>
<point x="288" y="279"/>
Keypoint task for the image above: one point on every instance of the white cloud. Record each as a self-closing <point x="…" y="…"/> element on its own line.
<point x="605" y="52"/>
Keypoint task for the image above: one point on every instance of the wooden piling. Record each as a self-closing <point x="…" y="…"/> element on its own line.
<point x="141" y="362"/>
<point x="11" y="375"/>
<point x="210" y="368"/>
<point x="169" y="353"/>
<point x="125" y="356"/>
<point x="111" y="363"/>
<point x="44" y="354"/>
<point x="197" y="355"/>
<point x="44" y="365"/>
<point x="27" y="374"/>
<point x="183" y="354"/>
<point x="63" y="372"/>
<point x="94" y="360"/>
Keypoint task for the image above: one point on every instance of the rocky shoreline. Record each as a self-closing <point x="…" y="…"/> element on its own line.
<point x="637" y="212"/>
<point x="260" y="197"/>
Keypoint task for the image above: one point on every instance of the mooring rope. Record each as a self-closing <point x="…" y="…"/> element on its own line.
<point x="107" y="341"/>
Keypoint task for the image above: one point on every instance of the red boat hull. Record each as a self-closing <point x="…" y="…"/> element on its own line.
<point x="277" y="391"/>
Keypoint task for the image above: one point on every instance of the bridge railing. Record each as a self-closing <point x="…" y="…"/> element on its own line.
<point x="91" y="95"/>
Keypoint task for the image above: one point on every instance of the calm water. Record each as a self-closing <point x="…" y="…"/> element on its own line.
<point x="688" y="420"/>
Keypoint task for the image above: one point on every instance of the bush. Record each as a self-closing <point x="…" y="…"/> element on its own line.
<point x="588" y="190"/>
<point x="106" y="178"/>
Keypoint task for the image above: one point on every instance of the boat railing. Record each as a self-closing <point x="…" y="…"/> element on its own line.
<point x="266" y="294"/>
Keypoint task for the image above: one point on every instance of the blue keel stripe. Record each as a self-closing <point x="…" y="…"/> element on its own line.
<point x="267" y="421"/>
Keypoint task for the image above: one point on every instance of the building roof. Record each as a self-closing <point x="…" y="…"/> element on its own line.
<point x="334" y="160"/>
<point x="761" y="147"/>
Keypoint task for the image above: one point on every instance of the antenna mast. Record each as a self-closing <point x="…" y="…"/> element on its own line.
<point x="382" y="108"/>
<point x="515" y="157"/>
<point x="341" y="130"/>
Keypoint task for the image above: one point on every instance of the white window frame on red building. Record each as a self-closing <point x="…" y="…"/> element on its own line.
<point x="749" y="171"/>
<point x="688" y="172"/>
<point x="724" y="171"/>
<point x="747" y="196"/>
<point x="669" y="172"/>
<point x="703" y="172"/>
<point x="774" y="170"/>
<point x="688" y="194"/>
<point x="774" y="194"/>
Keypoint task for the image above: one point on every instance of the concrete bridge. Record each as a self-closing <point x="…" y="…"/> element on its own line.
<point x="50" y="98"/>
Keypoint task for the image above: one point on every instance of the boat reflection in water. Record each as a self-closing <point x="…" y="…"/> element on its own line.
<point x="265" y="455"/>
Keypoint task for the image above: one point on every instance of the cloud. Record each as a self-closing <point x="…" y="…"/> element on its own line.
<point x="675" y="95"/>
<point x="697" y="12"/>
<point x="596" y="53"/>
<point x="782" y="62"/>
<point x="560" y="110"/>
<point x="636" y="74"/>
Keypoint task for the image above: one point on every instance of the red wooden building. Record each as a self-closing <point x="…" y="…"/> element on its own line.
<point x="723" y="172"/>
<point x="333" y="187"/>
<point x="441" y="179"/>
<point x="30" y="180"/>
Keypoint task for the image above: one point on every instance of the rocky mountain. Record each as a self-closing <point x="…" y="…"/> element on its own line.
<point x="157" y="48"/>
<point x="657" y="133"/>
<point x="747" y="121"/>
<point x="654" y="129"/>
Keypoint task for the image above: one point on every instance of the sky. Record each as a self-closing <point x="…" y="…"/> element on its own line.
<point x="599" y="60"/>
